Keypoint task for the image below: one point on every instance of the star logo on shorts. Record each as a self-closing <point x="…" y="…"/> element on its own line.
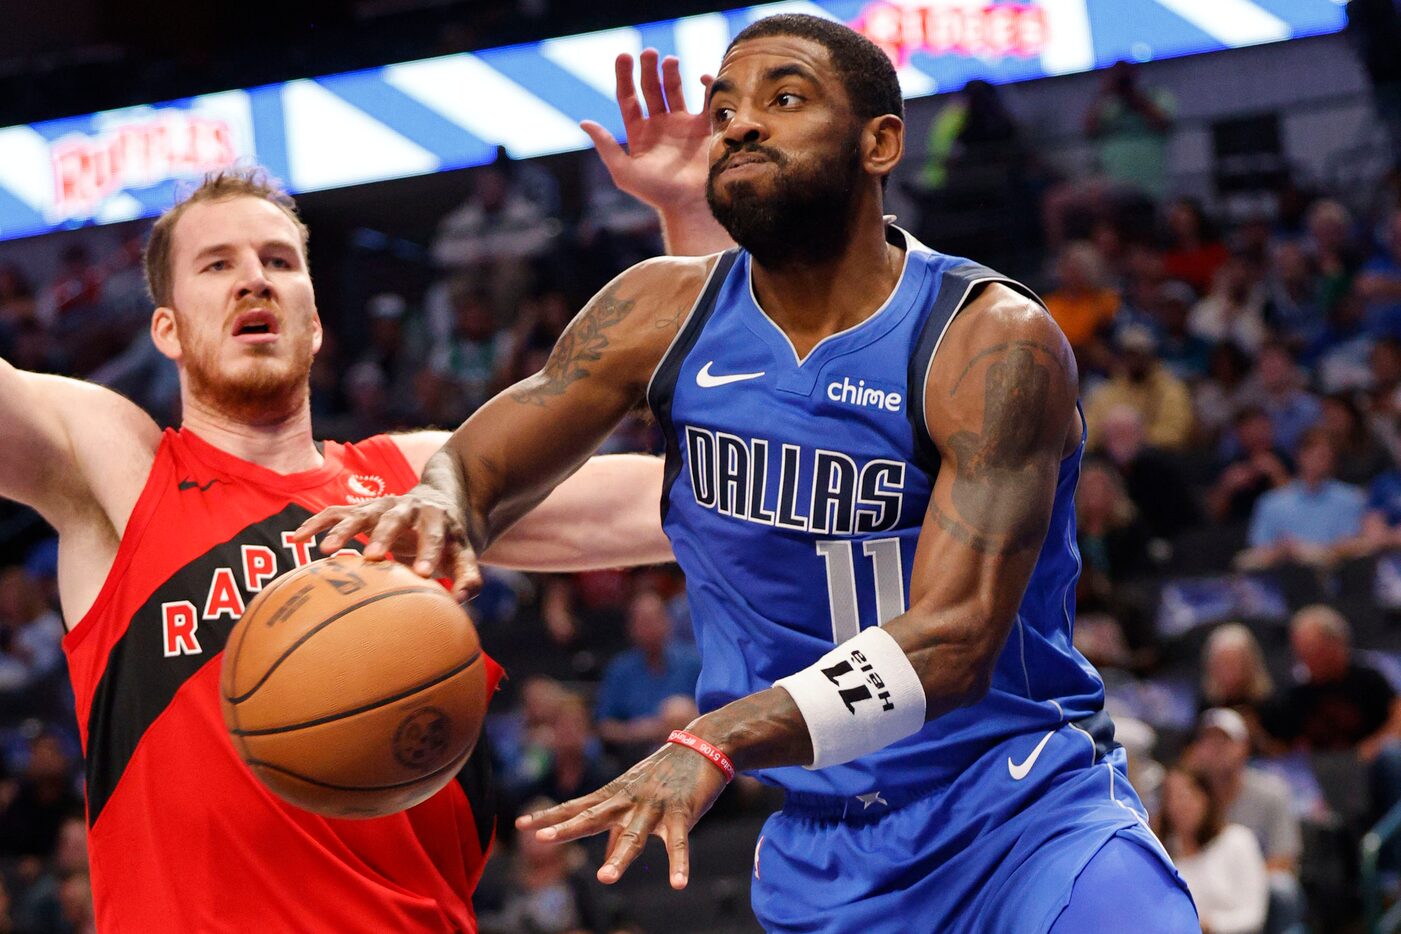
<point x="870" y="798"/>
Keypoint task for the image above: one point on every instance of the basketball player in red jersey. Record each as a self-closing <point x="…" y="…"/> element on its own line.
<point x="165" y="536"/>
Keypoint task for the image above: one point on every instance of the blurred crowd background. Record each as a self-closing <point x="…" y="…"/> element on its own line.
<point x="1238" y="330"/>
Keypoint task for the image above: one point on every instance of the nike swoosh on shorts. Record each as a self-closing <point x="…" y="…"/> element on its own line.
<point x="1021" y="771"/>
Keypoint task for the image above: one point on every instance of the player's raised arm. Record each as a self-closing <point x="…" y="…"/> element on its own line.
<point x="514" y="450"/>
<point x="67" y="447"/>
<point x="665" y="163"/>
<point x="1001" y="410"/>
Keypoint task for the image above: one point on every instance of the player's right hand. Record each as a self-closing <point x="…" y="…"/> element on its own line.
<point x="666" y="162"/>
<point x="422" y="523"/>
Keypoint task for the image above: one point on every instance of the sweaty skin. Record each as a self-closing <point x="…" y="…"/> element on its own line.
<point x="1000" y="408"/>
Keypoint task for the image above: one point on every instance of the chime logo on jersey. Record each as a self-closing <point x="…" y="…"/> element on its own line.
<point x="808" y="489"/>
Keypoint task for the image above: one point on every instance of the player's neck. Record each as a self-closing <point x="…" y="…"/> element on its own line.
<point x="284" y="445"/>
<point x="810" y="301"/>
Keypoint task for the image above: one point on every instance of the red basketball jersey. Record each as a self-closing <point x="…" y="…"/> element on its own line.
<point x="182" y="836"/>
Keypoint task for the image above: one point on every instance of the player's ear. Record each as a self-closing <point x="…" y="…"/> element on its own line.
<point x="316" y="332"/>
<point x="165" y="333"/>
<point x="882" y="144"/>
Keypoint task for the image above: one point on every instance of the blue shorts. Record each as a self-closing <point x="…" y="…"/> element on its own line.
<point x="984" y="854"/>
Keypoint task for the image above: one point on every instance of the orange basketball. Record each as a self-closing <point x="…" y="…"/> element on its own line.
<point x="354" y="688"/>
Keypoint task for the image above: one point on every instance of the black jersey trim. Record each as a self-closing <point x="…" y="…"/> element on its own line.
<point x="139" y="682"/>
<point x="958" y="287"/>
<point x="662" y="388"/>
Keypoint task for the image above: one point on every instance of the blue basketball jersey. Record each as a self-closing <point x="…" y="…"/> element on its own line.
<point x="795" y="494"/>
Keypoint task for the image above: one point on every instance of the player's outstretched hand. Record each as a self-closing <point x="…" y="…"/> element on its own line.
<point x="421" y="522"/>
<point x="666" y="162"/>
<point x="663" y="795"/>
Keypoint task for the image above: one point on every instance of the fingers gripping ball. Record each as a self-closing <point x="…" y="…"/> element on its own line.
<point x="354" y="688"/>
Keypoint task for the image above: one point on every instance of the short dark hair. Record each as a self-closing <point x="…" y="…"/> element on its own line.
<point x="224" y="185"/>
<point x="1213" y="821"/>
<point x="864" y="70"/>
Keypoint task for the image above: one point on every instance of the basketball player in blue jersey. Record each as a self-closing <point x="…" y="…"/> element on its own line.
<point x="872" y="451"/>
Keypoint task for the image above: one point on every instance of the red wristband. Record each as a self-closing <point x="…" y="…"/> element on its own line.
<point x="692" y="741"/>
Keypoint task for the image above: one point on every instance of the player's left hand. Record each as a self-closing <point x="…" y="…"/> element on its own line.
<point x="663" y="796"/>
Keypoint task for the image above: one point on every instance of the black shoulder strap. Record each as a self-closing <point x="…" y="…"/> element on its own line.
<point x="662" y="389"/>
<point x="959" y="285"/>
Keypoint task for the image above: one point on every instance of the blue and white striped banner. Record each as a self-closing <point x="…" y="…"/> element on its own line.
<point x="451" y="112"/>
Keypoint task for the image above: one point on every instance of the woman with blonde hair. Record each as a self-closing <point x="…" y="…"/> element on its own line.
<point x="1234" y="675"/>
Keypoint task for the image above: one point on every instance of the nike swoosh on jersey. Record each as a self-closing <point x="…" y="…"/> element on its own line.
<point x="1020" y="772"/>
<point x="705" y="381"/>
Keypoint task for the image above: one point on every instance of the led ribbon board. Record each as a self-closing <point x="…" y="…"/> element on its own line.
<point x="451" y="112"/>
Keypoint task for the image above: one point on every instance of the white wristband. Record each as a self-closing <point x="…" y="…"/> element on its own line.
<point x="858" y="698"/>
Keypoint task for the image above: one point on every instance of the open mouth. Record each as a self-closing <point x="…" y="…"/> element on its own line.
<point x="257" y="326"/>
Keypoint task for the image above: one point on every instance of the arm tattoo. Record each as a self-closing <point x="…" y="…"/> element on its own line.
<point x="582" y="343"/>
<point x="998" y="490"/>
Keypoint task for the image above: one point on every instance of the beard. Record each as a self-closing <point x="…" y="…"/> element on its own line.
<point x="804" y="219"/>
<point x="264" y="389"/>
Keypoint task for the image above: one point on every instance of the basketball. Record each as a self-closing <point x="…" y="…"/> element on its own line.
<point x="354" y="688"/>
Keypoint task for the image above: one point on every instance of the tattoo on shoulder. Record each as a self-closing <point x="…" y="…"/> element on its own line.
<point x="1000" y="490"/>
<point x="581" y="344"/>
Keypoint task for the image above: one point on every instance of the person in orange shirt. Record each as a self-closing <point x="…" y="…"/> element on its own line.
<point x="1083" y="304"/>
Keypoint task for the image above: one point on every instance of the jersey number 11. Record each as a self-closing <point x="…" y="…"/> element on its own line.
<point x="839" y="557"/>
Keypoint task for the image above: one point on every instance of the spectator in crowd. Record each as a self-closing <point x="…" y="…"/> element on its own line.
<point x="497" y="232"/>
<point x="1310" y="520"/>
<point x="1379" y="281"/>
<point x="1234" y="309"/>
<point x="551" y="890"/>
<point x="1361" y="457"/>
<point x="520" y="737"/>
<point x="638" y="682"/>
<point x="31" y="652"/>
<point x="1082" y="303"/>
<point x="1141" y="382"/>
<point x="1194" y="252"/>
<point x="1278" y="389"/>
<point x="1113" y="541"/>
<point x="1339" y="703"/>
<point x="1253" y="466"/>
<point x="1336" y="253"/>
<point x="34" y="808"/>
<point x="1152" y="477"/>
<point x="1145" y="772"/>
<point x="59" y="900"/>
<point x="16" y="296"/>
<point x="1293" y="309"/>
<point x="475" y="350"/>
<point x="574" y="761"/>
<point x="1130" y="125"/>
<point x="1381" y="525"/>
<point x="395" y="346"/>
<point x="1185" y="355"/>
<point x="1256" y="800"/>
<point x="1220" y="862"/>
<point x="1234" y="677"/>
<point x="1224" y="392"/>
<point x="1340" y="355"/>
<point x="972" y="131"/>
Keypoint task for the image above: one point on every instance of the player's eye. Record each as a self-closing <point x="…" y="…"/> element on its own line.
<point x="278" y="262"/>
<point x="721" y="114"/>
<point x="219" y="265"/>
<point x="788" y="99"/>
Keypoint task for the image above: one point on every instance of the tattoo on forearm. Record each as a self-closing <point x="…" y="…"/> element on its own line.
<point x="581" y="344"/>
<point x="999" y="487"/>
